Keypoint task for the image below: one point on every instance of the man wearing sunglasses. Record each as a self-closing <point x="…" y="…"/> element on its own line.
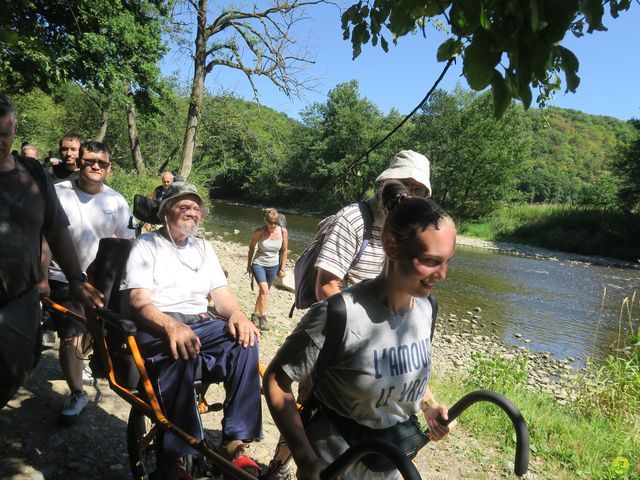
<point x="95" y="211"/>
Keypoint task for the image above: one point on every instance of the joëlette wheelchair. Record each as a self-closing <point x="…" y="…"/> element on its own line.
<point x="117" y="358"/>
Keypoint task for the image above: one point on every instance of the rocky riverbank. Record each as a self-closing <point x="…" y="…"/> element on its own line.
<point x="33" y="446"/>
<point x="543" y="253"/>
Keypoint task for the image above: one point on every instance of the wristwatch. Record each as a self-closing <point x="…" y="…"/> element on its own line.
<point x="78" y="277"/>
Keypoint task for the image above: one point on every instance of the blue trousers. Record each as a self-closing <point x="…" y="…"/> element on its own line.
<point x="223" y="360"/>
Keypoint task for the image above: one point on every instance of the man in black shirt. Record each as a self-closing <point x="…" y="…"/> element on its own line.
<point x="69" y="151"/>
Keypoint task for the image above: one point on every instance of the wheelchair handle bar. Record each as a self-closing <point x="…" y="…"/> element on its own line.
<point x="406" y="466"/>
<point x="375" y="446"/>
<point x="521" y="463"/>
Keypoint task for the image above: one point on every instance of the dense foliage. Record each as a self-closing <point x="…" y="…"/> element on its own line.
<point x="509" y="45"/>
<point x="251" y="152"/>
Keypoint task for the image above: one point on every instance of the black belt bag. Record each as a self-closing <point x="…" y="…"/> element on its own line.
<point x="407" y="436"/>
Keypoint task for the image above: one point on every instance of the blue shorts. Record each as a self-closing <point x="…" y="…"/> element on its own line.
<point x="265" y="274"/>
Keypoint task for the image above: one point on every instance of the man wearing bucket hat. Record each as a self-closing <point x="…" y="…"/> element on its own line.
<point x="336" y="263"/>
<point x="170" y="277"/>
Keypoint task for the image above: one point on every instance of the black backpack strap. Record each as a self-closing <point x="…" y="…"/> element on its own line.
<point x="334" y="329"/>
<point x="434" y="313"/>
<point x="36" y="171"/>
<point x="367" y="218"/>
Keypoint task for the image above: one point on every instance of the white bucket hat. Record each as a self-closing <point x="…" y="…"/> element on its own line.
<point x="408" y="164"/>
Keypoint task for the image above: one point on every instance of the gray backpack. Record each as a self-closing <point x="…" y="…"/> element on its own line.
<point x="305" y="272"/>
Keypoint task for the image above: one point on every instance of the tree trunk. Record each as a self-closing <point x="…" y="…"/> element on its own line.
<point x="197" y="92"/>
<point x="104" y="122"/>
<point x="134" y="141"/>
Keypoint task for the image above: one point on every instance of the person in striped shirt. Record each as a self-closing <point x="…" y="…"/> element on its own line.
<point x="334" y="263"/>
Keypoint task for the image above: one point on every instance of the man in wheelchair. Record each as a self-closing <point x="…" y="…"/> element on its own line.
<point x="170" y="277"/>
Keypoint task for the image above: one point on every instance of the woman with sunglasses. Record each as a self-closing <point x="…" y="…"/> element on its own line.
<point x="269" y="243"/>
<point x="377" y="377"/>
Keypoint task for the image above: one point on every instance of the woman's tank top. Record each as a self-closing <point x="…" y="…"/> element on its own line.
<point x="268" y="253"/>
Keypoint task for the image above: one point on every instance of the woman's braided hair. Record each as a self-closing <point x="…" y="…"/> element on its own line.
<point x="408" y="215"/>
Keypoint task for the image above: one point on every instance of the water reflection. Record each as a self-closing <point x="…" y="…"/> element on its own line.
<point x="554" y="304"/>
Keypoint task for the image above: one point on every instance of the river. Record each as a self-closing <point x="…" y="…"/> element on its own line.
<point x="554" y="306"/>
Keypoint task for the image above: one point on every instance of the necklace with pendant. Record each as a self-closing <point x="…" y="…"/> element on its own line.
<point x="201" y="250"/>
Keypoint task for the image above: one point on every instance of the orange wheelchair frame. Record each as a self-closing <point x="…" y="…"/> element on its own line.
<point x="137" y="389"/>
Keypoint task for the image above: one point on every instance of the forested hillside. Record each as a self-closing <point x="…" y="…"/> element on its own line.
<point x="251" y="152"/>
<point x="572" y="157"/>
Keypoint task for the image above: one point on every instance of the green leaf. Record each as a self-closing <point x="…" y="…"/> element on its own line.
<point x="479" y="61"/>
<point x="384" y="44"/>
<point x="501" y="94"/>
<point x="484" y="19"/>
<point x="451" y="47"/>
<point x="433" y="8"/>
<point x="537" y="17"/>
<point x="570" y="65"/>
<point x="593" y="11"/>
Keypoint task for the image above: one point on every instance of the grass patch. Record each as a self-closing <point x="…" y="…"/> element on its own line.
<point x="579" y="230"/>
<point x="566" y="441"/>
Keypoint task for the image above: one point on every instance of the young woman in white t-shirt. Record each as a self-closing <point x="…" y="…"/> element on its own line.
<point x="366" y="382"/>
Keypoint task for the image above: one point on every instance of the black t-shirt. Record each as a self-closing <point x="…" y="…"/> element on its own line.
<point x="59" y="173"/>
<point x="25" y="212"/>
<point x="158" y="192"/>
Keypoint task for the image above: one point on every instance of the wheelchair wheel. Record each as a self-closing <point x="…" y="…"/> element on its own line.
<point x="142" y="444"/>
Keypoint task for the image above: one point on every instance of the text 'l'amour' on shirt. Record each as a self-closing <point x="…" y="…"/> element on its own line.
<point x="382" y="367"/>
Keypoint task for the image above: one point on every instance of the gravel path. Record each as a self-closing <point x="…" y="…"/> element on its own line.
<point x="33" y="446"/>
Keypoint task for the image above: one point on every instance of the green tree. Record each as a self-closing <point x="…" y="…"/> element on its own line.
<point x="258" y="42"/>
<point x="628" y="167"/>
<point x="109" y="47"/>
<point x="334" y="136"/>
<point x="475" y="158"/>
<point x="509" y="45"/>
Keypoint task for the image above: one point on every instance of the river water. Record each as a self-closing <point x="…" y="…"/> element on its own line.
<point x="556" y="307"/>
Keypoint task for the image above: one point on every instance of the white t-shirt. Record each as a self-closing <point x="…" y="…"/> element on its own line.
<point x="178" y="277"/>
<point x="380" y="372"/>
<point x="342" y="244"/>
<point x="91" y="217"/>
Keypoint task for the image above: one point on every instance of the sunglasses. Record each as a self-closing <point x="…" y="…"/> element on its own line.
<point x="272" y="223"/>
<point x="90" y="162"/>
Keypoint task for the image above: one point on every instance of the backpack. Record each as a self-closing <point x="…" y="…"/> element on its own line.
<point x="407" y="436"/>
<point x="305" y="272"/>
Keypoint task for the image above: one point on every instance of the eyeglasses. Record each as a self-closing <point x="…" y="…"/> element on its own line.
<point x="90" y="162"/>
<point x="416" y="190"/>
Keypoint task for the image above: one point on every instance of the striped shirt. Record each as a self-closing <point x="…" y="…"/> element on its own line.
<point x="342" y="243"/>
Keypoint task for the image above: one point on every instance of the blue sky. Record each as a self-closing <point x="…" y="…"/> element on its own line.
<point x="609" y="69"/>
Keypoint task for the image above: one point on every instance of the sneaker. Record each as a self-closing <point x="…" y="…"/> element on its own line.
<point x="255" y="319"/>
<point x="87" y="378"/>
<point x="74" y="404"/>
<point x="264" y="325"/>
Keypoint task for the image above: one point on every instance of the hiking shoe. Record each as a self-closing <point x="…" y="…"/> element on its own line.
<point x="87" y="378"/>
<point x="263" y="325"/>
<point x="73" y="405"/>
<point x="255" y="319"/>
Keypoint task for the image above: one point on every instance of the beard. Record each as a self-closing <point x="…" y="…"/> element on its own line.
<point x="189" y="230"/>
